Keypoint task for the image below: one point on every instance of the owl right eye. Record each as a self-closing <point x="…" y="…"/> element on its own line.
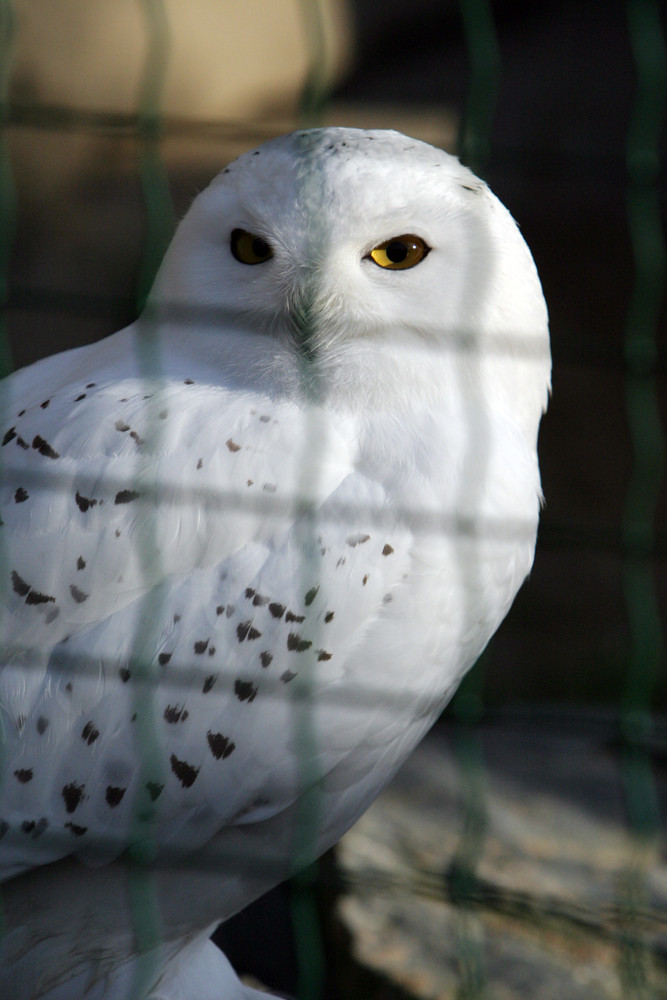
<point x="249" y="248"/>
<point x="399" y="253"/>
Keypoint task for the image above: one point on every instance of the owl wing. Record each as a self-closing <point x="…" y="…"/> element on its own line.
<point x="185" y="564"/>
<point x="213" y="699"/>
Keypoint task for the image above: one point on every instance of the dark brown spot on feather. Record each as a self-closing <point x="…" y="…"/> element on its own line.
<point x="323" y="655"/>
<point x="72" y="795"/>
<point x="121" y="426"/>
<point x="42" y="725"/>
<point x="232" y="445"/>
<point x="19" y="585"/>
<point x="354" y="540"/>
<point x="387" y="550"/>
<point x="186" y="773"/>
<point x="35" y="597"/>
<point x="242" y="629"/>
<point x="114" y="795"/>
<point x="201" y="646"/>
<point x="208" y="683"/>
<point x="89" y="733"/>
<point x="40" y="827"/>
<point x="125" y="496"/>
<point x="287" y="676"/>
<point x="23" y="589"/>
<point x="244" y="690"/>
<point x="311" y="595"/>
<point x="296" y="644"/>
<point x="84" y="503"/>
<point x="329" y="617"/>
<point x="291" y="617"/>
<point x="24" y="775"/>
<point x="219" y="745"/>
<point x="265" y="658"/>
<point x="154" y="789"/>
<point x="175" y="713"/>
<point x="9" y="436"/>
<point x="164" y="658"/>
<point x="277" y="610"/>
<point x="78" y="595"/>
<point x="21" y="495"/>
<point x="81" y="563"/>
<point x="124" y="674"/>
<point x="77" y="830"/>
<point x="45" y="404"/>
<point x="44" y="448"/>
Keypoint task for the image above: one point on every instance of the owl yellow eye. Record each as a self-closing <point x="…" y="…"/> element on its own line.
<point x="248" y="248"/>
<point x="399" y="252"/>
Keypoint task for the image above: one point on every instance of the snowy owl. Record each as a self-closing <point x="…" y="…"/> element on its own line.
<point x="250" y="545"/>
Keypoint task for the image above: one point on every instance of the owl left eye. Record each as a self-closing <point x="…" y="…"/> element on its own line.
<point x="249" y="248"/>
<point x="399" y="253"/>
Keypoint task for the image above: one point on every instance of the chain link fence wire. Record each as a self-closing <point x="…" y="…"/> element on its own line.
<point x="462" y="885"/>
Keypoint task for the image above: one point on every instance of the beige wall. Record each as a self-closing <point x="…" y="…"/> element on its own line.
<point x="235" y="59"/>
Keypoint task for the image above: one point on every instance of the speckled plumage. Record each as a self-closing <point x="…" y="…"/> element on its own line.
<point x="252" y="543"/>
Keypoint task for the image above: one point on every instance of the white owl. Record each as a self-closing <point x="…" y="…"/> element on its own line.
<point x="250" y="545"/>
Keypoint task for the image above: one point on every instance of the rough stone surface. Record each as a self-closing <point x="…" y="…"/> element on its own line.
<point x="563" y="900"/>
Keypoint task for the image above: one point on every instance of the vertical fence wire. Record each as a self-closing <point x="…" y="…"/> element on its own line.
<point x="7" y="193"/>
<point x="309" y="946"/>
<point x="7" y="228"/>
<point x="144" y="905"/>
<point x="315" y="92"/>
<point x="474" y="148"/>
<point x="647" y="643"/>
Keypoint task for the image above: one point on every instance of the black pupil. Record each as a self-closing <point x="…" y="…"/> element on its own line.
<point x="397" y="251"/>
<point x="260" y="247"/>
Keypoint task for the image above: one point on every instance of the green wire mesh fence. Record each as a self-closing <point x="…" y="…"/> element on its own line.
<point x="632" y="924"/>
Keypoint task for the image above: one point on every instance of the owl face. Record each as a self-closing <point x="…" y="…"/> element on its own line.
<point x="329" y="237"/>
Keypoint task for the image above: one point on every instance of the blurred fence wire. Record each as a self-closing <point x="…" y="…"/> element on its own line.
<point x="460" y="884"/>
